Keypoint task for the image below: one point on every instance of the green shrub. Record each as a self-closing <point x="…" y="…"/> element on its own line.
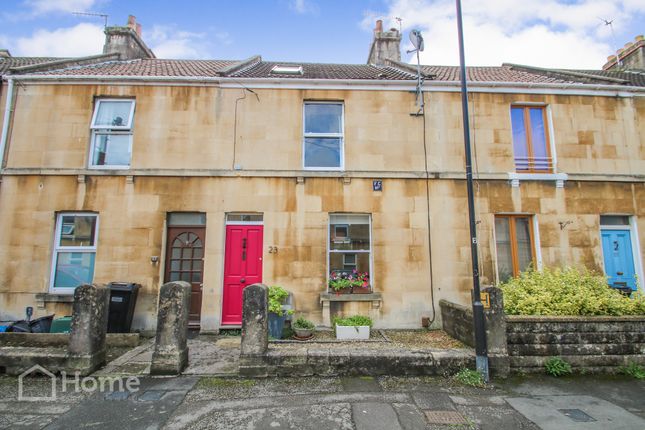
<point x="277" y="296"/>
<point x="556" y="366"/>
<point x="634" y="370"/>
<point x="302" y="323"/>
<point x="355" y="320"/>
<point x="469" y="377"/>
<point x="567" y="291"/>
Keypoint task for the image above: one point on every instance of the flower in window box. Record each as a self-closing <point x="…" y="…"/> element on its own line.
<point x="347" y="283"/>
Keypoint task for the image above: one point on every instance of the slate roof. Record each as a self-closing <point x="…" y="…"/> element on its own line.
<point x="326" y="71"/>
<point x="148" y="67"/>
<point x="635" y="78"/>
<point x="489" y="74"/>
<point x="256" y="68"/>
<point x="7" y="62"/>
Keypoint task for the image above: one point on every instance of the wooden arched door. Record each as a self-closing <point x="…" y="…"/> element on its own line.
<point x="185" y="262"/>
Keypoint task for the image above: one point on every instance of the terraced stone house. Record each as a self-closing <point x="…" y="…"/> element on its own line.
<point x="223" y="173"/>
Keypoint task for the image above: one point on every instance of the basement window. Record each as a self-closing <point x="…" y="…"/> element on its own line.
<point x="111" y="126"/>
<point x="287" y="70"/>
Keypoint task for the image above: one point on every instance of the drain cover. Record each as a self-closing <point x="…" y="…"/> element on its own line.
<point x="117" y="395"/>
<point x="577" y="415"/>
<point x="445" y="417"/>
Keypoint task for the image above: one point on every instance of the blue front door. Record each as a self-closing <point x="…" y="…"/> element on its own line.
<point x="619" y="260"/>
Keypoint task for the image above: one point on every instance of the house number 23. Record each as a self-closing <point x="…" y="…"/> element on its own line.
<point x="273" y="250"/>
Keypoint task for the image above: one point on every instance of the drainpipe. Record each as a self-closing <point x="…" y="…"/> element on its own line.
<point x="8" y="111"/>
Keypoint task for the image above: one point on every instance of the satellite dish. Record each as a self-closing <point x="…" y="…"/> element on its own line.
<point x="416" y="39"/>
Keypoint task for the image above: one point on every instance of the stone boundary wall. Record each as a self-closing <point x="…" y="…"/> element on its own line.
<point x="593" y="344"/>
<point x="458" y="321"/>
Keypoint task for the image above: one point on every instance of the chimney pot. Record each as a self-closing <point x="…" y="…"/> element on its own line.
<point x="132" y="21"/>
<point x="379" y="26"/>
<point x="139" y="29"/>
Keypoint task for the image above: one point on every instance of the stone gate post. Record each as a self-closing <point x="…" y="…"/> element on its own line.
<point x="170" y="356"/>
<point x="255" y="331"/>
<point x="89" y="325"/>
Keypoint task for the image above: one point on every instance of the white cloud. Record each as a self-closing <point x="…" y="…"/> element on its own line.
<point x="80" y="40"/>
<point x="303" y="6"/>
<point x="550" y="33"/>
<point x="167" y="41"/>
<point x="40" y="7"/>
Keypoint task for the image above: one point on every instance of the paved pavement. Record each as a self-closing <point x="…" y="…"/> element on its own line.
<point x="361" y="403"/>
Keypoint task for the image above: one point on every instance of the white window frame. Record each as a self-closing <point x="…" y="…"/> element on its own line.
<point x="351" y="251"/>
<point x="81" y="249"/>
<point x="340" y="135"/>
<point x="635" y="242"/>
<point x="111" y="130"/>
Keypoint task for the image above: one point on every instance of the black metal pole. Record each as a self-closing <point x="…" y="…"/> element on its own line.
<point x="478" y="307"/>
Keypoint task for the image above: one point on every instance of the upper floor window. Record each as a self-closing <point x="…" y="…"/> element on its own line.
<point x="74" y="251"/>
<point x="514" y="243"/>
<point x="531" y="139"/>
<point x="323" y="136"/>
<point x="112" y="134"/>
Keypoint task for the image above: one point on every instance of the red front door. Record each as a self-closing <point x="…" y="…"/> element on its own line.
<point x="242" y="267"/>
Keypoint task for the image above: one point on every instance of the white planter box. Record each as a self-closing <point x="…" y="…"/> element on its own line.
<point x="352" y="332"/>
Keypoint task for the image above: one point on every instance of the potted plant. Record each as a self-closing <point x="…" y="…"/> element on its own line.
<point x="354" y="327"/>
<point x="304" y="328"/>
<point x="277" y="315"/>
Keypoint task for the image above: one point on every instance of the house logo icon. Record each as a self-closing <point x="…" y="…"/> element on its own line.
<point x="36" y="369"/>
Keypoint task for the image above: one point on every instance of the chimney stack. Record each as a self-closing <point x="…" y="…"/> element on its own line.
<point x="127" y="41"/>
<point x="631" y="56"/>
<point x="386" y="45"/>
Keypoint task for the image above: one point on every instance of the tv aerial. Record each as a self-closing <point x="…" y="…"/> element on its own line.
<point x="417" y="41"/>
<point x="609" y="23"/>
<point x="101" y="15"/>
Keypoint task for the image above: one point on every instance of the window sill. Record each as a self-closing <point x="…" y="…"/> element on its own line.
<point x="333" y="297"/>
<point x="42" y="298"/>
<point x="559" y="178"/>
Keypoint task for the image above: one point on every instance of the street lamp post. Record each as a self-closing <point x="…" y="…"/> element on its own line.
<point x="478" y="307"/>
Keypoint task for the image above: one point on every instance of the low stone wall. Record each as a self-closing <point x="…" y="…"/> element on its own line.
<point x="524" y="343"/>
<point x="458" y="321"/>
<point x="593" y="344"/>
<point x="62" y="339"/>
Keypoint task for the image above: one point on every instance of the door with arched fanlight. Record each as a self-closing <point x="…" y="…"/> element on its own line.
<point x="185" y="258"/>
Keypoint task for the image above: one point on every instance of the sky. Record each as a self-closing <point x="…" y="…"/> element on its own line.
<point x="546" y="33"/>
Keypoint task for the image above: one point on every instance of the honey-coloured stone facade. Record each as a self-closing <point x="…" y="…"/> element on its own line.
<point x="193" y="151"/>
